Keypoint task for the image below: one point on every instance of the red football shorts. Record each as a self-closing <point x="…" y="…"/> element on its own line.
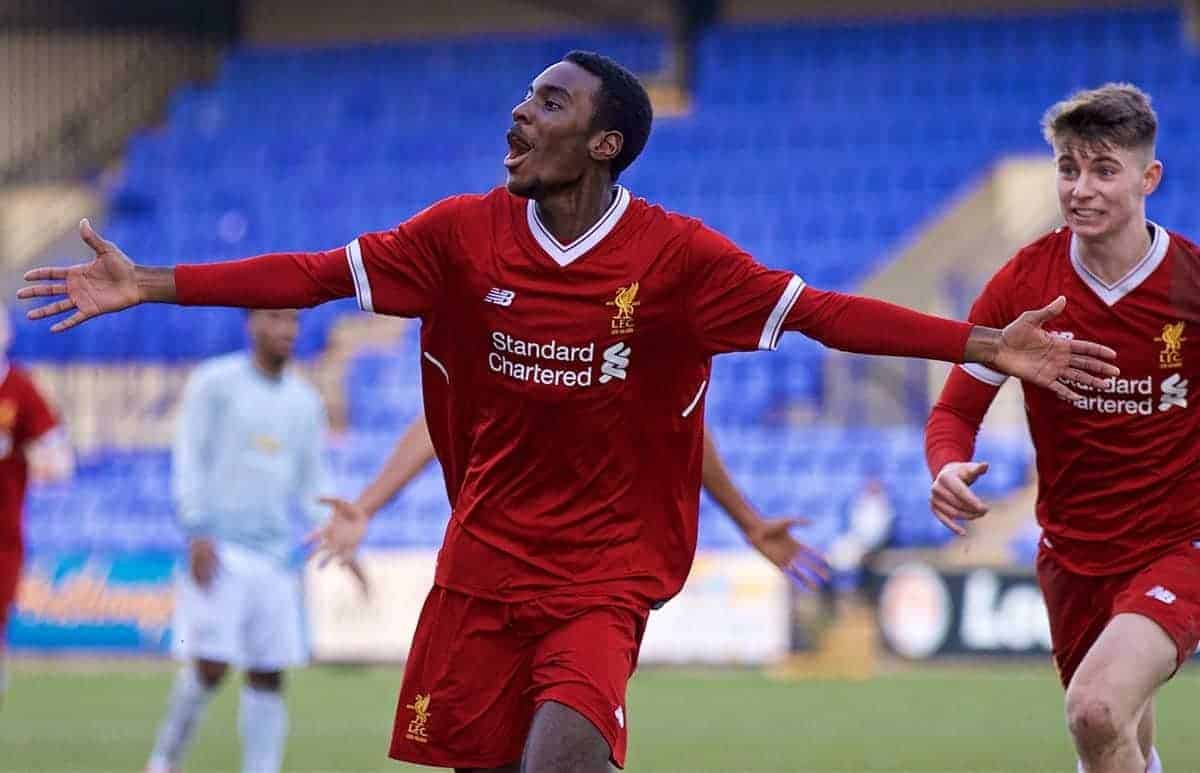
<point x="1167" y="591"/>
<point x="478" y="670"/>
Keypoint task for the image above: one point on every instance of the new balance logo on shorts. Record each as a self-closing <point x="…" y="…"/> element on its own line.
<point x="1161" y="594"/>
<point x="616" y="361"/>
<point x="499" y="297"/>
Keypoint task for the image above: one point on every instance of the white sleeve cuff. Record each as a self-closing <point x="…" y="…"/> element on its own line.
<point x="984" y="374"/>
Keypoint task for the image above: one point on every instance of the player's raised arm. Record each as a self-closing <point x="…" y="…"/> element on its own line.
<point x="395" y="272"/>
<point x="770" y="537"/>
<point x="341" y="534"/>
<point x="737" y="304"/>
<point x="112" y="282"/>
<point x="1022" y="349"/>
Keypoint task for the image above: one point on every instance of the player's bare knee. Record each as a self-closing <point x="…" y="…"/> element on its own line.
<point x="267" y="681"/>
<point x="1093" y="720"/>
<point x="210" y="673"/>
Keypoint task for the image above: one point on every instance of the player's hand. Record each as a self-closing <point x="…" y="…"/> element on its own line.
<point x="202" y="561"/>
<point x="1034" y="355"/>
<point x="951" y="498"/>
<point x="339" y="537"/>
<point x="105" y="285"/>
<point x="773" y="539"/>
<point x="356" y="570"/>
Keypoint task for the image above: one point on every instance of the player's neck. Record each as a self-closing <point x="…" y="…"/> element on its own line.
<point x="568" y="214"/>
<point x="1112" y="258"/>
<point x="270" y="367"/>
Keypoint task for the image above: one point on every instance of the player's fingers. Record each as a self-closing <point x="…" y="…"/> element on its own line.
<point x="1064" y="391"/>
<point x="69" y="322"/>
<point x="950" y="524"/>
<point x="1048" y="312"/>
<point x="958" y="493"/>
<point x="1094" y="378"/>
<point x="40" y="291"/>
<point x="50" y="309"/>
<point x="92" y="238"/>
<point x="952" y="506"/>
<point x="796" y="520"/>
<point x="809" y="559"/>
<point x="1094" y="365"/>
<point x="46" y="272"/>
<point x="802" y="578"/>
<point x="974" y="472"/>
<point x="1092" y="349"/>
<point x="956" y="507"/>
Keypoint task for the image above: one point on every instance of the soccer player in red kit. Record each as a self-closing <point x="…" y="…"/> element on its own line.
<point x="28" y="445"/>
<point x="567" y="334"/>
<point x="1118" y="468"/>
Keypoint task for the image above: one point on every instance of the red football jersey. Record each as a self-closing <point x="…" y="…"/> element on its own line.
<point x="24" y="417"/>
<point x="1119" y="470"/>
<point x="564" y="384"/>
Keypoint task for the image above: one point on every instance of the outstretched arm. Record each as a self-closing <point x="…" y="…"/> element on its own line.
<point x="735" y="303"/>
<point x="770" y="537"/>
<point x="112" y="282"/>
<point x="949" y="445"/>
<point x="1023" y="349"/>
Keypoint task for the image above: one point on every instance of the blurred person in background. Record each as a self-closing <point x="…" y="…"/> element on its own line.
<point x="247" y="452"/>
<point x="32" y="447"/>
<point x="567" y="336"/>
<point x="1119" y="556"/>
<point x="771" y="537"/>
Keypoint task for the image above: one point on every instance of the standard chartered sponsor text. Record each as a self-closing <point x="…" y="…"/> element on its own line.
<point x="504" y="345"/>
<point x="1132" y="396"/>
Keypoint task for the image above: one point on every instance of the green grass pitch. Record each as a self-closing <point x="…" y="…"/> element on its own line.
<point x="60" y="717"/>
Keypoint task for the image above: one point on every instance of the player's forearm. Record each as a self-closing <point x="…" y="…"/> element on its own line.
<point x="275" y="281"/>
<point x="413" y="451"/>
<point x="955" y="419"/>
<point x="720" y="486"/>
<point x="862" y="325"/>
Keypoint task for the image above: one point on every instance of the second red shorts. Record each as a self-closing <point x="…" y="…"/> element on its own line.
<point x="478" y="670"/>
<point x="1166" y="591"/>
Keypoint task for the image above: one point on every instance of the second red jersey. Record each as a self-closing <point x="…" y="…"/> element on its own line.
<point x="24" y="417"/>
<point x="1118" y="470"/>
<point x="564" y="384"/>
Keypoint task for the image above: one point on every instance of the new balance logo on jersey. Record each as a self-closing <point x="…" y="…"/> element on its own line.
<point x="616" y="361"/>
<point x="1174" y="393"/>
<point x="1159" y="593"/>
<point x="500" y="297"/>
<point x="620" y="715"/>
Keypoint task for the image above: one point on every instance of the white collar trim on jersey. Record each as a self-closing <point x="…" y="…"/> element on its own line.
<point x="1110" y="294"/>
<point x="564" y="254"/>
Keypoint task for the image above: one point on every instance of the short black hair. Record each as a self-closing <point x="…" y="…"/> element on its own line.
<point x="622" y="105"/>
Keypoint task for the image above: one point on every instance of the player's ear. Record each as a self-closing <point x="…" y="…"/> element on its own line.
<point x="606" y="145"/>
<point x="1152" y="176"/>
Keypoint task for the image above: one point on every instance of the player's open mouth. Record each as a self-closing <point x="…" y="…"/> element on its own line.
<point x="518" y="149"/>
<point x="1084" y="213"/>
